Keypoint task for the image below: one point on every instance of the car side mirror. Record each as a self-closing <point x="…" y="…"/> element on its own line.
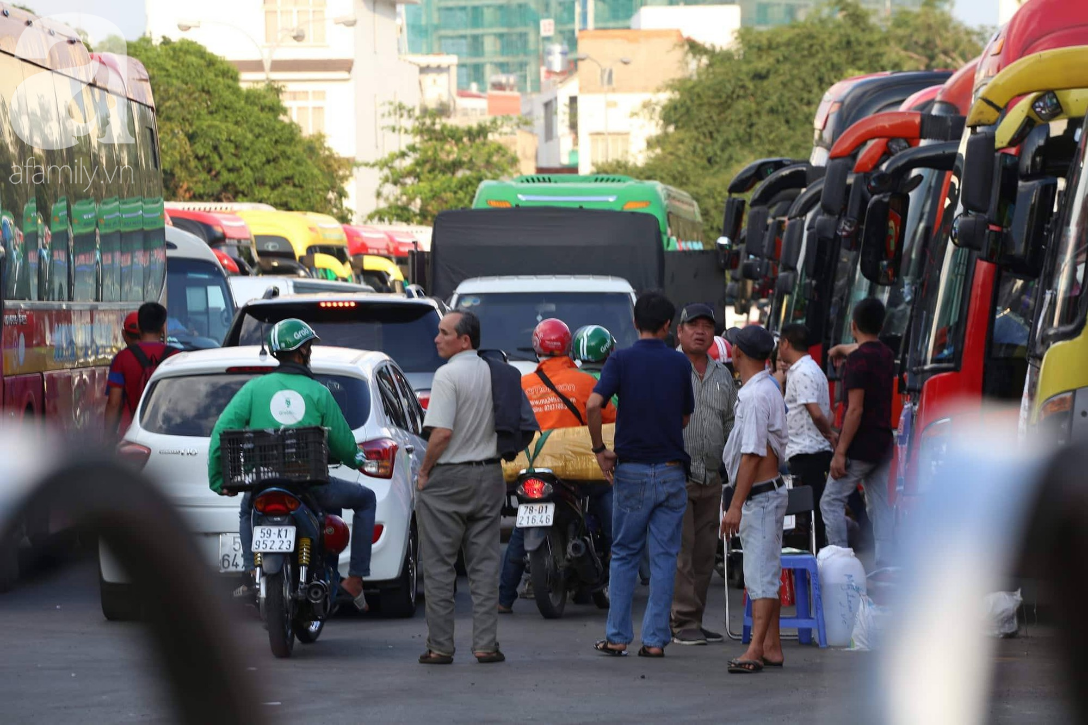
<point x="833" y="195"/>
<point x="1024" y="243"/>
<point x="757" y="227"/>
<point x="978" y="172"/>
<point x="791" y="243"/>
<point x="785" y="283"/>
<point x="882" y="239"/>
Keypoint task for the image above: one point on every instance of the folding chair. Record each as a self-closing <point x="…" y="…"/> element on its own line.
<point x="801" y="500"/>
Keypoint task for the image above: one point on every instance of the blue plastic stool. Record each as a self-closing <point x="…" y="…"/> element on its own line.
<point x="804" y="572"/>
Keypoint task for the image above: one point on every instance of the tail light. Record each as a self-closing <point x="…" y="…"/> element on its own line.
<point x="534" y="488"/>
<point x="276" y="503"/>
<point x="380" y="455"/>
<point x="133" y="454"/>
<point x="379" y="529"/>
<point x="335" y="534"/>
<point x="424" y="397"/>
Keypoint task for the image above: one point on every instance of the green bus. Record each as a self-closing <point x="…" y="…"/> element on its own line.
<point x="676" y="211"/>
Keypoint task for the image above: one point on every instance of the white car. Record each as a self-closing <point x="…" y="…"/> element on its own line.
<point x="170" y="436"/>
<point x="256" y="286"/>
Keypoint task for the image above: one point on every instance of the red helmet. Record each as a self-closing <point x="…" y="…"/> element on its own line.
<point x="720" y="350"/>
<point x="551" y="338"/>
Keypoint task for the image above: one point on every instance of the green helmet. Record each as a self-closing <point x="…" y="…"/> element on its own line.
<point x="290" y="334"/>
<point x="592" y="344"/>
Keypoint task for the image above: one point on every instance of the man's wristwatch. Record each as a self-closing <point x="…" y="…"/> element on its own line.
<point x="599" y="449"/>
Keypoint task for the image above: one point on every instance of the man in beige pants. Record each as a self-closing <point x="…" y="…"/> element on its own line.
<point x="704" y="440"/>
<point x="461" y="493"/>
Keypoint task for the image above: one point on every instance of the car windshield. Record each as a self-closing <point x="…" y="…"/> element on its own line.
<point x="404" y="332"/>
<point x="190" y="405"/>
<point x="199" y="303"/>
<point x="507" y="319"/>
<point x="1064" y="278"/>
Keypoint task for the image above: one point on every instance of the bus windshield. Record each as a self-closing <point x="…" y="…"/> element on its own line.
<point x="1063" y="280"/>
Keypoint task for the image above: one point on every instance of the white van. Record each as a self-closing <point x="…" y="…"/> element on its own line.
<point x="255" y="287"/>
<point x="199" y="303"/>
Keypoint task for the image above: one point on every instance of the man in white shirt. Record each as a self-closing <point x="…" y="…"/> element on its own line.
<point x="808" y="415"/>
<point x="757" y="510"/>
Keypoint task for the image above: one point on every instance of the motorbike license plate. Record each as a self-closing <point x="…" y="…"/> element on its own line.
<point x="230" y="552"/>
<point x="273" y="539"/>
<point x="532" y="515"/>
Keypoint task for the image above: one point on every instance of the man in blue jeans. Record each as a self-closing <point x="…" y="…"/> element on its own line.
<point x="648" y="471"/>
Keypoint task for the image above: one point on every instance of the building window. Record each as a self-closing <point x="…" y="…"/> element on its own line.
<point x="307" y="109"/>
<point x="572" y="115"/>
<point x="283" y="16"/>
<point x="610" y="147"/>
<point x="549" y="120"/>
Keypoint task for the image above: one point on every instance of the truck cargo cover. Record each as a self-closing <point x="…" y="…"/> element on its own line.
<point x="488" y="242"/>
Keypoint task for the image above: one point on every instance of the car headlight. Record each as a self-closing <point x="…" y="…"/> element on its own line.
<point x="1056" y="419"/>
<point x="932" y="448"/>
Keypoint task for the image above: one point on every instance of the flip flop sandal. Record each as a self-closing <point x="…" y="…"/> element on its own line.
<point x="768" y="663"/>
<point x="358" y="601"/>
<point x="745" y="667"/>
<point x="433" y="658"/>
<point x="644" y="651"/>
<point x="601" y="646"/>
<point x="485" y="658"/>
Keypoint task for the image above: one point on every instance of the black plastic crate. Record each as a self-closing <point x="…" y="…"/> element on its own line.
<point x="299" y="455"/>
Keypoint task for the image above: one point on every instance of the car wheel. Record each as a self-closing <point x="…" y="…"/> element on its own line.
<point x="401" y="600"/>
<point x="119" y="601"/>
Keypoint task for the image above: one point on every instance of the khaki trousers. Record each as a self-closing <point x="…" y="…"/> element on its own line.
<point x="698" y="547"/>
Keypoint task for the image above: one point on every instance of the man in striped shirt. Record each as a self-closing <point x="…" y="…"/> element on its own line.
<point x="704" y="441"/>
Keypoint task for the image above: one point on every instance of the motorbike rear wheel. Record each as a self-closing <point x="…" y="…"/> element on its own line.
<point x="549" y="585"/>
<point x="279" y="617"/>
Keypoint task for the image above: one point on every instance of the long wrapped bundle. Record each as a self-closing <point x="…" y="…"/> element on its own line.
<point x="567" y="452"/>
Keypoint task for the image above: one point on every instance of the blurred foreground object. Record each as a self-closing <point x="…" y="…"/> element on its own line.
<point x="187" y="625"/>
<point x="993" y="513"/>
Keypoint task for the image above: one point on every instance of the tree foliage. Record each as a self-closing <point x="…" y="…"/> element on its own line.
<point x="759" y="98"/>
<point x="221" y="142"/>
<point x="440" y="167"/>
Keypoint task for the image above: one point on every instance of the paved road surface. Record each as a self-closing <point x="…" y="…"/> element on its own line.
<point x="62" y="662"/>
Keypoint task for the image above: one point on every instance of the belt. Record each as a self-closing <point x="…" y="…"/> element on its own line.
<point x="485" y="462"/>
<point x="766" y="487"/>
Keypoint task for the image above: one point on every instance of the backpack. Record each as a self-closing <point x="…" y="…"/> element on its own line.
<point x="148" y="365"/>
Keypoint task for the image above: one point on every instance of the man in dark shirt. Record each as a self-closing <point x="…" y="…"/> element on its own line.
<point x="864" y="451"/>
<point x="648" y="471"/>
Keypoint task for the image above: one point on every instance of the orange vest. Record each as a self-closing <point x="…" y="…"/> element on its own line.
<point x="575" y="385"/>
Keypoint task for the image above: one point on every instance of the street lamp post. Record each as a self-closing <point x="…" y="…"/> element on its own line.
<point x="295" y="34"/>
<point x="606" y="84"/>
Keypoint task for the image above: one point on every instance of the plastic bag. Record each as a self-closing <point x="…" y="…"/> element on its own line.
<point x="1001" y="608"/>
<point x="567" y="452"/>
<point x="869" y="625"/>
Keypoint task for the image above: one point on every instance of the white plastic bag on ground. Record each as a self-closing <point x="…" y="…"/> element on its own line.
<point x="869" y="625"/>
<point x="1001" y="608"/>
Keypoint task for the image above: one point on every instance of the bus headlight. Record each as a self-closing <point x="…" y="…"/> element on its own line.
<point x="1056" y="419"/>
<point x="932" y="448"/>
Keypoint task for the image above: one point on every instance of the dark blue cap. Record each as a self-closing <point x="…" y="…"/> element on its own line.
<point x="753" y="340"/>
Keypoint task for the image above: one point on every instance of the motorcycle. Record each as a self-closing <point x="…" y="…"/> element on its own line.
<point x="296" y="545"/>
<point x="565" y="546"/>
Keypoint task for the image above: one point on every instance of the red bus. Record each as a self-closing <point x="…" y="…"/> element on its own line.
<point x="224" y="232"/>
<point x="81" y="220"/>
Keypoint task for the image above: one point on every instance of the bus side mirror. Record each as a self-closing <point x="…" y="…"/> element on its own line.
<point x="770" y="239"/>
<point x="848" y="224"/>
<point x="833" y="195"/>
<point x="882" y="240"/>
<point x="978" y="172"/>
<point x="751" y="269"/>
<point x="969" y="231"/>
<point x="791" y="243"/>
<point x="785" y="283"/>
<point x="1023" y="244"/>
<point x="757" y="227"/>
<point x="734" y="215"/>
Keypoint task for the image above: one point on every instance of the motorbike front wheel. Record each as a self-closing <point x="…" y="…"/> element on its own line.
<point x="549" y="585"/>
<point x="279" y="617"/>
